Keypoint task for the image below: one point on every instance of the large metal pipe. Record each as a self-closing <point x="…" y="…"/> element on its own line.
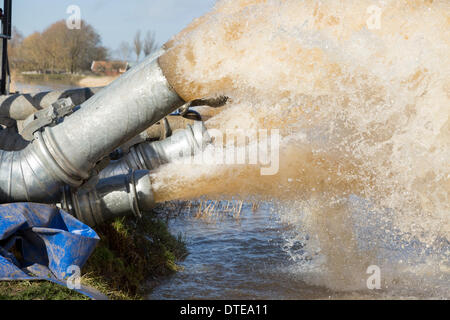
<point x="124" y="188"/>
<point x="150" y="155"/>
<point x="20" y="106"/>
<point x="159" y="131"/>
<point x="110" y="118"/>
<point x="66" y="153"/>
<point x="122" y="195"/>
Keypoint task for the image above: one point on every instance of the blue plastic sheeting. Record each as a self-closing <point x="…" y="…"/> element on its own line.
<point x="42" y="242"/>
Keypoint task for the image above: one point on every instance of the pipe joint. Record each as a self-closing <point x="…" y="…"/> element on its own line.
<point x="151" y="155"/>
<point x="68" y="152"/>
<point x="111" y="197"/>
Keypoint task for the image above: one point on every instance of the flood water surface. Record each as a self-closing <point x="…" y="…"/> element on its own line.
<point x="234" y="258"/>
<point x="362" y="123"/>
<point x="256" y="255"/>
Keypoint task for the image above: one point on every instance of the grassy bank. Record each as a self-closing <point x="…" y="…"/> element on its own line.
<point x="130" y="253"/>
<point x="36" y="290"/>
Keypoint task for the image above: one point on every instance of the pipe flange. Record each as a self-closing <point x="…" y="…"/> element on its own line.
<point x="47" y="159"/>
<point x="59" y="157"/>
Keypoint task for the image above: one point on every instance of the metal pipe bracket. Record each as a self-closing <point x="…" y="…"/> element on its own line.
<point x="47" y="117"/>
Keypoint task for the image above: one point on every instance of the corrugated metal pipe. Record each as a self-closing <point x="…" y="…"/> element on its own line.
<point x="65" y="154"/>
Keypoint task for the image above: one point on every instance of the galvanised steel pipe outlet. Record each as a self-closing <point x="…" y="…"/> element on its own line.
<point x="150" y="155"/>
<point x="66" y="153"/>
<point x="105" y="199"/>
<point x="123" y="188"/>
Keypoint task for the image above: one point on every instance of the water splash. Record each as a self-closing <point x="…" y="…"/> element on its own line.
<point x="363" y="113"/>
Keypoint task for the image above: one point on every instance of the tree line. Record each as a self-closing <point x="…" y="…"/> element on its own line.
<point x="59" y="49"/>
<point x="56" y="49"/>
<point x="140" y="45"/>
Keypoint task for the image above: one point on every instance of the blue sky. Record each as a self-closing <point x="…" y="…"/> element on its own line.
<point x="114" y="20"/>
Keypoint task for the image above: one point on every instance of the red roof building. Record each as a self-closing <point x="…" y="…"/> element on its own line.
<point x="109" y="68"/>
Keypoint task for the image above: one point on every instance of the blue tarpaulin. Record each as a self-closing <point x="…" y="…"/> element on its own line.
<point x="41" y="242"/>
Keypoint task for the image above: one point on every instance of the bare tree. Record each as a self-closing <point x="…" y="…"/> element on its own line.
<point x="124" y="50"/>
<point x="137" y="44"/>
<point x="32" y="53"/>
<point x="15" y="48"/>
<point x="82" y="47"/>
<point x="150" y="44"/>
<point x="57" y="49"/>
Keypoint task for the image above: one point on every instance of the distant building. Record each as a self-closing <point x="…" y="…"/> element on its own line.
<point x="109" y="68"/>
